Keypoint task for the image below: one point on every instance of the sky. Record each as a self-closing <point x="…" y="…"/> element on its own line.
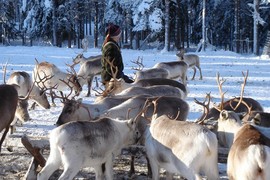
<point x="229" y="64"/>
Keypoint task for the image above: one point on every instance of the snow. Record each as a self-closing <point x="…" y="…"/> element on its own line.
<point x="228" y="64"/>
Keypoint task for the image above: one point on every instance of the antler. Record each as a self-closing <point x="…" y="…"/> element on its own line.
<point x="138" y="62"/>
<point x="205" y="105"/>
<point x="72" y="66"/>
<point x="242" y="90"/>
<point x="220" y="83"/>
<point x="42" y="81"/>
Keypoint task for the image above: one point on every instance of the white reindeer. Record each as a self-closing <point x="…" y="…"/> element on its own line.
<point x="76" y="110"/>
<point x="148" y="73"/>
<point x="181" y="147"/>
<point x="118" y="85"/>
<point x="249" y="155"/>
<point x="80" y="144"/>
<point x="89" y="67"/>
<point x="177" y="69"/>
<point x="156" y="90"/>
<point x="50" y="77"/>
<point x="118" y="107"/>
<point x="192" y="60"/>
<point x="151" y="73"/>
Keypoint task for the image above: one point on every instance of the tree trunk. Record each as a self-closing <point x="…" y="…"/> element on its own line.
<point x="255" y="27"/>
<point x="203" y="26"/>
<point x="69" y="38"/>
<point x="54" y="26"/>
<point x="137" y="40"/>
<point x="167" y="25"/>
<point x="177" y="26"/>
<point x="236" y="26"/>
<point x="96" y="26"/>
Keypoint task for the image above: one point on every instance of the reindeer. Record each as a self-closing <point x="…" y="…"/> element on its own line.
<point x="148" y="73"/>
<point x="249" y="155"/>
<point x="95" y="144"/>
<point x="8" y="104"/>
<point x="173" y="145"/>
<point x="176" y="69"/>
<point x="21" y="112"/>
<point x="24" y="81"/>
<point x="118" y="85"/>
<point x="89" y="67"/>
<point x="50" y="77"/>
<point x="76" y="110"/>
<point x="151" y="73"/>
<point x="257" y="117"/>
<point x="192" y="60"/>
<point x="80" y="59"/>
<point x="156" y="90"/>
<point x="174" y="107"/>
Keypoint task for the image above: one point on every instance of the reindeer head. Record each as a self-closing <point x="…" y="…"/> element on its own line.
<point x="180" y="53"/>
<point x="69" y="112"/>
<point x="21" y="111"/>
<point x="78" y="58"/>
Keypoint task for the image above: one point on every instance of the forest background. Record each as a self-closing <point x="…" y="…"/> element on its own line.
<point x="235" y="25"/>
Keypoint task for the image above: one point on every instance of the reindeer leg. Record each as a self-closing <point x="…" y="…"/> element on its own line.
<point x="132" y="168"/>
<point x="149" y="173"/>
<point x="3" y="137"/>
<point x="200" y="72"/>
<point x="89" y="81"/>
<point x="194" y="73"/>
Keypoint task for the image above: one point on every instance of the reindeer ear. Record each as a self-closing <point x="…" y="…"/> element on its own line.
<point x="223" y="115"/>
<point x="131" y="122"/>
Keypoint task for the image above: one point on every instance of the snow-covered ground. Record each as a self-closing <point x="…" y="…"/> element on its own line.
<point x="228" y="64"/>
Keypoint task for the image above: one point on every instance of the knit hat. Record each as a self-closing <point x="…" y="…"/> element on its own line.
<point x="113" y="30"/>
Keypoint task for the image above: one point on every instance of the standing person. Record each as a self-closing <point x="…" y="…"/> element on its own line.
<point x="111" y="52"/>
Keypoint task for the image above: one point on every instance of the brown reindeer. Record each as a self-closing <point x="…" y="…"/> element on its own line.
<point x="249" y="155"/>
<point x="8" y="105"/>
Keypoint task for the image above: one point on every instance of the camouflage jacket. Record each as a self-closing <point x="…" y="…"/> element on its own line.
<point x="111" y="52"/>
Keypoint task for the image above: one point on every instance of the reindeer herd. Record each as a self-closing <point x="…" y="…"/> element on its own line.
<point x="150" y="113"/>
